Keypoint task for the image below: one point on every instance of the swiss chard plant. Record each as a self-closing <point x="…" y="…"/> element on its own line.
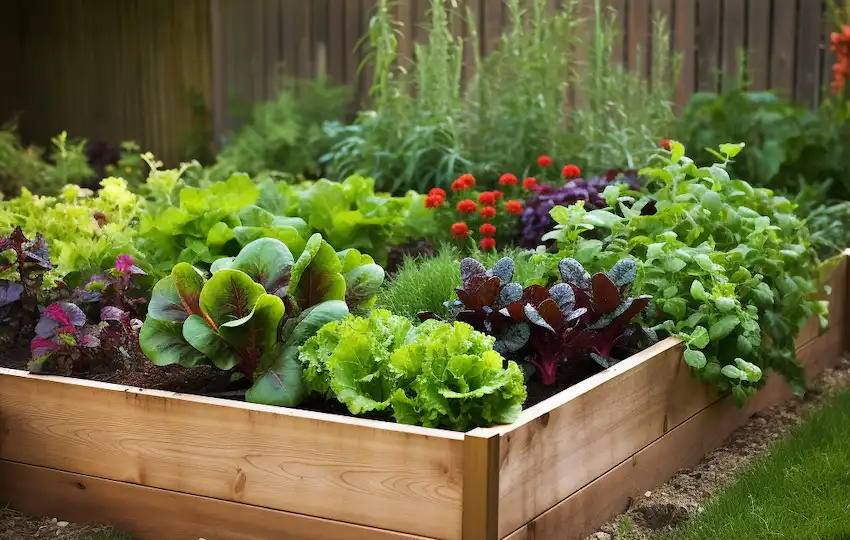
<point x="728" y="265"/>
<point x="254" y="311"/>
<point x="581" y="316"/>
<point x="436" y="374"/>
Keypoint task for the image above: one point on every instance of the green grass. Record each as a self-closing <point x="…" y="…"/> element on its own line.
<point x="800" y="491"/>
<point x="107" y="534"/>
<point x="423" y="284"/>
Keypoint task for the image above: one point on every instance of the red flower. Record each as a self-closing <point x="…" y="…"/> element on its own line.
<point x="457" y="185"/>
<point x="488" y="244"/>
<point x="513" y="207"/>
<point x="459" y="230"/>
<point x="544" y="161"/>
<point x="665" y="144"/>
<point x="529" y="183"/>
<point x="488" y="212"/>
<point x="433" y="201"/>
<point x="571" y="171"/>
<point x="467" y="180"/>
<point x="508" y="180"/>
<point x="487" y="229"/>
<point x="467" y="206"/>
<point x="487" y="198"/>
<point x="498" y="194"/>
<point x="437" y="192"/>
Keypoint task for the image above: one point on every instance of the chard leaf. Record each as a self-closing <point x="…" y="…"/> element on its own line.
<point x="163" y="342"/>
<point x="267" y="261"/>
<point x="283" y="383"/>
<point x="229" y="295"/>
<point x="316" y="275"/>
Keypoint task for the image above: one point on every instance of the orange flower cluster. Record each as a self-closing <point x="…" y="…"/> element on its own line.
<point x="841" y="68"/>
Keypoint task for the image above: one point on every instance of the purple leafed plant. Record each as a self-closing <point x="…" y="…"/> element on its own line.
<point x="62" y="338"/>
<point x="117" y="287"/>
<point x="535" y="218"/>
<point x="30" y="260"/>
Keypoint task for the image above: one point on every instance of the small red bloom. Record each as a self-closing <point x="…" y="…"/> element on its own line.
<point x="437" y="192"/>
<point x="529" y="183"/>
<point x="544" y="161"/>
<point x="498" y="194"/>
<point x="433" y="201"/>
<point x="487" y="244"/>
<point x="457" y="185"/>
<point x="665" y="144"/>
<point x="508" y="180"/>
<point x="487" y="198"/>
<point x="488" y="212"/>
<point x="459" y="230"/>
<point x="487" y="229"/>
<point x="467" y="206"/>
<point x="467" y="180"/>
<point x="571" y="171"/>
<point x="513" y="207"/>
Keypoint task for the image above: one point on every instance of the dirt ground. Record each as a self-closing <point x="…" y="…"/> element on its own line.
<point x="14" y="526"/>
<point x="658" y="511"/>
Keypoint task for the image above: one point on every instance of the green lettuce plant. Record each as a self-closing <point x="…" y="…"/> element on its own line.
<point x="254" y="311"/>
<point x="437" y="374"/>
<point x="728" y="265"/>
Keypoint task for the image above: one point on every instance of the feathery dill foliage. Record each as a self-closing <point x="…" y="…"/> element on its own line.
<point x="450" y="110"/>
<point x="423" y="284"/>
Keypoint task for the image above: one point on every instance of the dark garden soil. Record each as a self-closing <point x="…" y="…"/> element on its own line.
<point x="14" y="526"/>
<point x="660" y="510"/>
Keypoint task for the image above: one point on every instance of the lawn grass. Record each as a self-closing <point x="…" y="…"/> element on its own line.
<point x="107" y="534"/>
<point x="800" y="490"/>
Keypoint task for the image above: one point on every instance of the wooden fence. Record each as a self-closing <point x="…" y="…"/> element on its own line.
<point x="121" y="69"/>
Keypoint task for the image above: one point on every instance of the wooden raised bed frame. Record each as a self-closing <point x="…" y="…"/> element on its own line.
<point x="171" y="466"/>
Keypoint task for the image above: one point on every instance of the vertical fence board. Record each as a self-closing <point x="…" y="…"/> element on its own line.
<point x="734" y="40"/>
<point x="809" y="28"/>
<point x="758" y="43"/>
<point x="708" y="44"/>
<point x="617" y="10"/>
<point x="336" y="41"/>
<point x="782" y="46"/>
<point x="684" y="40"/>
<point x="638" y="36"/>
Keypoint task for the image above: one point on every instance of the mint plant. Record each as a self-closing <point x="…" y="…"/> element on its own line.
<point x="728" y="265"/>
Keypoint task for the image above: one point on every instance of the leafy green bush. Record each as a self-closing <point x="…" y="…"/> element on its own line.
<point x="788" y="147"/>
<point x="729" y="265"/>
<point x="436" y="374"/>
<point x="830" y="228"/>
<point x="255" y="310"/>
<point x="88" y="231"/>
<point x="26" y="167"/>
<point x="285" y="135"/>
<point x="427" y="128"/>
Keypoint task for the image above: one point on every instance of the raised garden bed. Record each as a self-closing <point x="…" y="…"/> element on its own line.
<point x="166" y="465"/>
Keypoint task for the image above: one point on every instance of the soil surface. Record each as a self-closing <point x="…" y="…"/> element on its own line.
<point x="659" y="511"/>
<point x="14" y="526"/>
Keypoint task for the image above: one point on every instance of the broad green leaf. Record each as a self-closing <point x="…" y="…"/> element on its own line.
<point x="205" y="339"/>
<point x="256" y="333"/>
<point x="733" y="373"/>
<point x="314" y="318"/>
<point x="601" y="218"/>
<point x="695" y="359"/>
<point x="177" y="296"/>
<point x="753" y="372"/>
<point x="283" y="383"/>
<point x="316" y="275"/>
<point x="162" y="341"/>
<point x="732" y="150"/>
<point x="676" y="308"/>
<point x="361" y="286"/>
<point x="254" y="216"/>
<point x="267" y="261"/>
<point x="698" y="291"/>
<point x="724" y="304"/>
<point x="219" y="234"/>
<point x="229" y="295"/>
<point x="723" y="327"/>
<point x="699" y="337"/>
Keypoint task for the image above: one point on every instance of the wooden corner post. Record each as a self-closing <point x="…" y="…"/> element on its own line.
<point x="481" y="485"/>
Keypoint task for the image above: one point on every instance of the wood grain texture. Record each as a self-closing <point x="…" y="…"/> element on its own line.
<point x="758" y="43"/>
<point x="591" y="427"/>
<point x="734" y="29"/>
<point x="708" y="37"/>
<point x="783" y="46"/>
<point x="481" y="478"/>
<point x="683" y="446"/>
<point x="369" y="473"/>
<point x="808" y="54"/>
<point x="156" y="514"/>
<point x="684" y="31"/>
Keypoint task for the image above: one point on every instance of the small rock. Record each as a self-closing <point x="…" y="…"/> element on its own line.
<point x="54" y="520"/>
<point x="647" y="494"/>
<point x="601" y="536"/>
<point x="62" y="523"/>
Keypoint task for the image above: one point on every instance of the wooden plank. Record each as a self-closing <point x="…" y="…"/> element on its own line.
<point x="758" y="43"/>
<point x="319" y="51"/>
<point x="617" y="10"/>
<point x="783" y="47"/>
<point x="638" y="53"/>
<point x="481" y="478"/>
<point x="336" y="41"/>
<point x="587" y="429"/>
<point x="43" y="492"/>
<point x="371" y="473"/>
<point x="809" y="28"/>
<point x="367" y="70"/>
<point x="684" y="446"/>
<point x="491" y="25"/>
<point x="708" y="44"/>
<point x="734" y="29"/>
<point x="272" y="20"/>
<point x="684" y="39"/>
<point x="353" y="34"/>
